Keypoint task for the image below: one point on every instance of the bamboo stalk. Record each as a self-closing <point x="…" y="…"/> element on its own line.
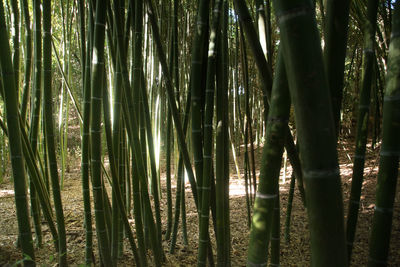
<point x="10" y="99"/>
<point x="389" y="155"/>
<point x="309" y="93"/>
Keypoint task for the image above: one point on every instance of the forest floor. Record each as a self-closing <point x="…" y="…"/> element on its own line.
<point x="294" y="253"/>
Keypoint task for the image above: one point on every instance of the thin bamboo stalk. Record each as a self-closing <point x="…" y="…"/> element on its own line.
<point x="362" y="123"/>
<point x="48" y="112"/>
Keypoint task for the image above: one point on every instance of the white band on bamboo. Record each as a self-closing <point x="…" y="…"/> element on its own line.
<point x="97" y="62"/>
<point x="265" y="196"/>
<point x="16" y="156"/>
<point x="356" y="156"/>
<point x="204" y="187"/>
<point x="194" y="98"/>
<point x="102" y="231"/>
<point x="196" y="131"/>
<point x="387" y="153"/>
<point x="294" y="13"/>
<point x="251" y="264"/>
<point x="383" y="210"/>
<point x="277" y="119"/>
<point x="208" y="125"/>
<point x="207" y="156"/>
<point x="198" y="160"/>
<point x="94" y="131"/>
<point x="96" y="98"/>
<point x="395" y="97"/>
<point x="95" y="160"/>
<point x="204" y="216"/>
<point x="321" y="173"/>
<point x="97" y="188"/>
<point x="100" y="24"/>
<point x="355" y="202"/>
<point x="368" y="51"/>
<point x="377" y="261"/>
<point x="203" y="240"/>
<point x="394" y="35"/>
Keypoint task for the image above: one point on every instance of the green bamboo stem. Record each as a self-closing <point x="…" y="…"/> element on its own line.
<point x="48" y="112"/>
<point x="275" y="233"/>
<point x="11" y="106"/>
<point x="208" y="135"/>
<point x="309" y="93"/>
<point x="85" y="145"/>
<point x="337" y="18"/>
<point x="179" y="189"/>
<point x="362" y="124"/>
<point x="197" y="77"/>
<point x="171" y="99"/>
<point x="222" y="146"/>
<point x="95" y="131"/>
<point x="35" y="112"/>
<point x="266" y="78"/>
<point x="15" y="32"/>
<point x="267" y="194"/>
<point x="389" y="155"/>
<point x="36" y="179"/>
<point x="28" y="59"/>
<point x="289" y="208"/>
<point x="132" y="125"/>
<point x="245" y="129"/>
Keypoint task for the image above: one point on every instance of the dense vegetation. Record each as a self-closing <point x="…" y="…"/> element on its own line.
<point x="187" y="87"/>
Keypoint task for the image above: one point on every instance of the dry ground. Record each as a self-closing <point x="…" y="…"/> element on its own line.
<point x="295" y="253"/>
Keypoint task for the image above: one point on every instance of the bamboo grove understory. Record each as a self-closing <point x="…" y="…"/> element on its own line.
<point x="180" y="89"/>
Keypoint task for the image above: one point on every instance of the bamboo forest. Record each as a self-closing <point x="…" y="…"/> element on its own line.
<point x="199" y="133"/>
